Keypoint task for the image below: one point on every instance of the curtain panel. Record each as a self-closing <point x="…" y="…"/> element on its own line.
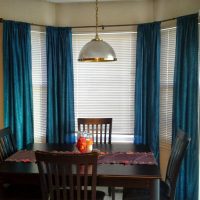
<point x="60" y="86"/>
<point x="185" y="103"/>
<point x="18" y="103"/>
<point x="147" y="86"/>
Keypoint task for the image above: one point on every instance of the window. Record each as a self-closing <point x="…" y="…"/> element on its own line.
<point x="167" y="61"/>
<point x="107" y="89"/>
<point x="39" y="77"/>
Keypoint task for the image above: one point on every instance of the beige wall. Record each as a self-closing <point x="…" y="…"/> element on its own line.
<point x="175" y="8"/>
<point x="31" y="11"/>
<point x="75" y="14"/>
<point x="125" y="12"/>
<point x="164" y="157"/>
<point x="80" y="14"/>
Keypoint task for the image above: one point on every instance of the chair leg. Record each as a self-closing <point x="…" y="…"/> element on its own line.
<point x="111" y="192"/>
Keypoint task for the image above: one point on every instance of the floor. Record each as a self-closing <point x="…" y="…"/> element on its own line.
<point x="118" y="193"/>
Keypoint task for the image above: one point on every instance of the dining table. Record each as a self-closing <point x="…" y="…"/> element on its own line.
<point x="125" y="173"/>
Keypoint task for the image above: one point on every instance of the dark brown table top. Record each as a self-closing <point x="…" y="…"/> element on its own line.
<point x="108" y="174"/>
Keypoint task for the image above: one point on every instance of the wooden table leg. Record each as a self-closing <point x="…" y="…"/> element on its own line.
<point x="155" y="189"/>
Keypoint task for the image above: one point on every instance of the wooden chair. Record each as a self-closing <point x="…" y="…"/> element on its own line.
<point x="67" y="176"/>
<point x="101" y="128"/>
<point x="14" y="191"/>
<point x="167" y="187"/>
<point x="7" y="144"/>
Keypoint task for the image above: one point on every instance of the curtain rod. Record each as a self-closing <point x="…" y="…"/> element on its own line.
<point x="102" y="26"/>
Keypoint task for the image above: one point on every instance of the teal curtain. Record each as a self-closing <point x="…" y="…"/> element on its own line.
<point x="60" y="87"/>
<point x="147" y="86"/>
<point x="185" y="103"/>
<point x="18" y="106"/>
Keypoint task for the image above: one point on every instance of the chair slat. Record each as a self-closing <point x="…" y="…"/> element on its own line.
<point x="78" y="187"/>
<point x="85" y="181"/>
<point x="64" y="183"/>
<point x="71" y="181"/>
<point x="105" y="133"/>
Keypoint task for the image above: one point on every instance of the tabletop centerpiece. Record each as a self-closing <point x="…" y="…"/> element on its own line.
<point x="84" y="142"/>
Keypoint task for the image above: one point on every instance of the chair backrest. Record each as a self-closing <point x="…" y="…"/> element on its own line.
<point x="67" y="175"/>
<point x="7" y="144"/>
<point x="177" y="154"/>
<point x="101" y="128"/>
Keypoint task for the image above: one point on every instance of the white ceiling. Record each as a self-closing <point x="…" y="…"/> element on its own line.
<point x="83" y="1"/>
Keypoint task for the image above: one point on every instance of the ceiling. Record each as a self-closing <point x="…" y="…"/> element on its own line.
<point x="83" y="1"/>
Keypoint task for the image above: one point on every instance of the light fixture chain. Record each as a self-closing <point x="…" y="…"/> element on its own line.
<point x="97" y="37"/>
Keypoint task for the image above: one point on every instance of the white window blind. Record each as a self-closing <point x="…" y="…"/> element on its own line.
<point x="106" y="90"/>
<point x="39" y="77"/>
<point x="167" y="62"/>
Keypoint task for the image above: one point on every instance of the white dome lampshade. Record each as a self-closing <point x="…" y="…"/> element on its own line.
<point x="97" y="51"/>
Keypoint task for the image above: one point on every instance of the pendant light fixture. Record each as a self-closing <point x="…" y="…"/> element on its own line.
<point x="97" y="50"/>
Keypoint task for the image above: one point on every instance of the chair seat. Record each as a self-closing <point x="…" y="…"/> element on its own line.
<point x="144" y="194"/>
